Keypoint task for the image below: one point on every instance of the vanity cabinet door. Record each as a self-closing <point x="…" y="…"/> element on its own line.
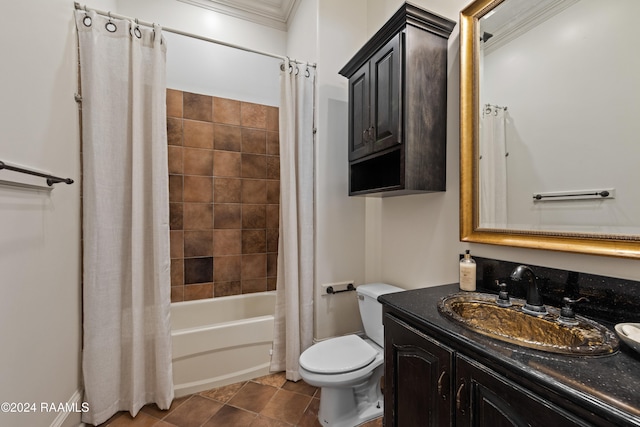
<point x="418" y="378"/>
<point x="484" y="398"/>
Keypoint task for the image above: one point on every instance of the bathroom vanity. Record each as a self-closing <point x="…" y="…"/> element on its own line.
<point x="439" y="373"/>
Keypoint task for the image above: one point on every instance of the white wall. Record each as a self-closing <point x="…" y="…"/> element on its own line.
<point x="205" y="22"/>
<point x="40" y="308"/>
<point x="340" y="232"/>
<point x="202" y="67"/>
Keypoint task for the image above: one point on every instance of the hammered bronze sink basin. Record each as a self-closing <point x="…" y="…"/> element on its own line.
<point x="480" y="313"/>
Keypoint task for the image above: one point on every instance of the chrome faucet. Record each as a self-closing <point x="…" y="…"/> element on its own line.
<point x="534" y="305"/>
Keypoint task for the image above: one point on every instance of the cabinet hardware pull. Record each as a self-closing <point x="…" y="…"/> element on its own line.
<point x="443" y="395"/>
<point x="459" y="399"/>
<point x="365" y="135"/>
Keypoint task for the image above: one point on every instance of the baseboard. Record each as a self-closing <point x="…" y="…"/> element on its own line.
<point x="70" y="419"/>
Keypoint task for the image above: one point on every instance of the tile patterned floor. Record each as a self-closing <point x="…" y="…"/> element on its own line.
<point x="269" y="401"/>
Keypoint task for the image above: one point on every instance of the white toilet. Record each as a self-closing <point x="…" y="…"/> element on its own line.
<point x="349" y="368"/>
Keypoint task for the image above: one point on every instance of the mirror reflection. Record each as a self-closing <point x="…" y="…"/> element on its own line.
<point x="559" y="117"/>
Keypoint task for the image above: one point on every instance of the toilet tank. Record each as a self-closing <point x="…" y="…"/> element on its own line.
<point x="371" y="309"/>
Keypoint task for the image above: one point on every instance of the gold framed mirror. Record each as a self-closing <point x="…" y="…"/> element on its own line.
<point x="597" y="238"/>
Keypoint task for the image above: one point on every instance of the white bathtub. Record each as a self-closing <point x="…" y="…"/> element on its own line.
<point x="221" y="341"/>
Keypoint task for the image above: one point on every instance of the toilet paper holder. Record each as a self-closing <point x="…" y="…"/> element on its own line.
<point x="349" y="288"/>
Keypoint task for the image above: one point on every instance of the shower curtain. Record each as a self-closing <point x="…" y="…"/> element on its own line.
<point x="126" y="281"/>
<point x="493" y="168"/>
<point x="293" y="329"/>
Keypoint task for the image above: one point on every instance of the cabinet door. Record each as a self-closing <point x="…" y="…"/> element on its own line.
<point x="417" y="378"/>
<point x="359" y="114"/>
<point x="486" y="399"/>
<point x="386" y="102"/>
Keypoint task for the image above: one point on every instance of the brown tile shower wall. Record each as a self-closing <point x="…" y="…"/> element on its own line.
<point x="224" y="193"/>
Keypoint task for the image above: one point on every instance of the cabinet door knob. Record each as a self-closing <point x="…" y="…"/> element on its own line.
<point x="365" y="135"/>
<point x="459" y="398"/>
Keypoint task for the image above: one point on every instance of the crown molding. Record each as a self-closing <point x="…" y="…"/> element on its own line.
<point x="272" y="13"/>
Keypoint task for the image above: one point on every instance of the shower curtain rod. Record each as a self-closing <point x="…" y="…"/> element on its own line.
<point x="191" y="35"/>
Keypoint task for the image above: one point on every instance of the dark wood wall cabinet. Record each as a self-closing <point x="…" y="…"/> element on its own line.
<point x="398" y="106"/>
<point x="437" y="375"/>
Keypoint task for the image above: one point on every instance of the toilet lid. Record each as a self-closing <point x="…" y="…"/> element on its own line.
<point x="337" y="355"/>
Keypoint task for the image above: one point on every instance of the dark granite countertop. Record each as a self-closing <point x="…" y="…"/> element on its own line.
<point x="608" y="386"/>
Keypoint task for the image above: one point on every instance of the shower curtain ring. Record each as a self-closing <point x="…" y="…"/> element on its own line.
<point x="110" y="26"/>
<point x="87" y="21"/>
<point x="136" y="30"/>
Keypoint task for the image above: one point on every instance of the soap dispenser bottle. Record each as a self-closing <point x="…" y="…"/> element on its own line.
<point x="467" y="273"/>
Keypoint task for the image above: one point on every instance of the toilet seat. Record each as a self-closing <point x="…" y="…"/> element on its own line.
<point x="338" y="355"/>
